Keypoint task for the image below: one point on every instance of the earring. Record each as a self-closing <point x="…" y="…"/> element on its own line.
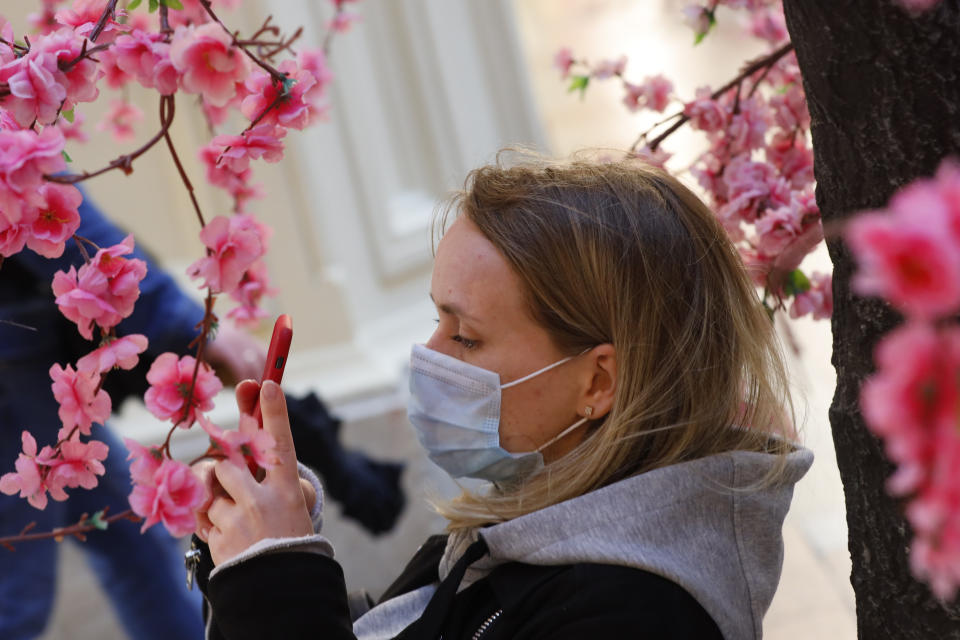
<point x="587" y="411"/>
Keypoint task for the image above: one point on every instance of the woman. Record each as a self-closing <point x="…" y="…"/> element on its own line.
<point x="602" y="358"/>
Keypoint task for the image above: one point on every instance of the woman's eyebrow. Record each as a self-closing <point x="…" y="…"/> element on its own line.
<point x="453" y="310"/>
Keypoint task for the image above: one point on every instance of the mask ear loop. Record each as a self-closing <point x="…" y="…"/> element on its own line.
<point x="544" y="370"/>
<point x="561" y="434"/>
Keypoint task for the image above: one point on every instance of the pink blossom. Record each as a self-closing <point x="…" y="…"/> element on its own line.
<point x="171" y="496"/>
<point x="608" y="68"/>
<point x="210" y="65"/>
<point x="219" y="174"/>
<point x="170" y="379"/>
<point x="13" y="237"/>
<point x="936" y="200"/>
<point x="43" y="21"/>
<point x="122" y="352"/>
<point x="83" y="16"/>
<point x="39" y="88"/>
<point x="56" y="221"/>
<point x="748" y="127"/>
<point x="785" y="72"/>
<point x="342" y="21"/>
<point x="81" y="402"/>
<point x="654" y="94"/>
<point x="81" y="80"/>
<point x="656" y="158"/>
<point x="816" y="301"/>
<point x="194" y="13"/>
<point x="258" y="445"/>
<point x="146" y="461"/>
<point x="810" y="235"/>
<point x="705" y="113"/>
<point x="24" y="159"/>
<point x="7" y="52"/>
<point x="913" y="262"/>
<point x="253" y="286"/>
<point x="911" y="402"/>
<point x="790" y="108"/>
<point x="913" y="389"/>
<point x="792" y="156"/>
<point x="120" y="119"/>
<point x="768" y="24"/>
<point x="261" y="141"/>
<point x="73" y="130"/>
<point x="562" y="61"/>
<point x="314" y="62"/>
<point x="102" y="292"/>
<point x="751" y="187"/>
<point x="35" y="90"/>
<point x="146" y="57"/>
<point x="7" y="122"/>
<point x="78" y="465"/>
<point x="28" y="478"/>
<point x="248" y="444"/>
<point x="235" y="243"/>
<point x="698" y="18"/>
<point x="301" y="106"/>
<point x="777" y="228"/>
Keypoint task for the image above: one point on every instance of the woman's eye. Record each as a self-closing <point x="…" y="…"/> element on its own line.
<point x="466" y="342"/>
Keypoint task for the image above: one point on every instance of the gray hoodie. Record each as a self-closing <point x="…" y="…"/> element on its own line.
<point x="697" y="524"/>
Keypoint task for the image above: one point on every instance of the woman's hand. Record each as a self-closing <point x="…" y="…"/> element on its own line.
<point x="243" y="511"/>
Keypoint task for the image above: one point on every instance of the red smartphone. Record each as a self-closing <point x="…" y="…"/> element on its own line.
<point x="276" y="356"/>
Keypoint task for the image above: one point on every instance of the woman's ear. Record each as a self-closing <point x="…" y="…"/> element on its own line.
<point x="599" y="381"/>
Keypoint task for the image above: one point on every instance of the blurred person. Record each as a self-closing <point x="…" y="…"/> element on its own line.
<point x="141" y="574"/>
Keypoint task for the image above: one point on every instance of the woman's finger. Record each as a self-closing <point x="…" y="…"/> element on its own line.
<point x="247" y="393"/>
<point x="309" y="493"/>
<point x="276" y="422"/>
<point x="203" y="525"/>
<point x="219" y="513"/>
<point x="236" y="481"/>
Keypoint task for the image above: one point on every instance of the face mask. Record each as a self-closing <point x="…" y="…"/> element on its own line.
<point x="455" y="408"/>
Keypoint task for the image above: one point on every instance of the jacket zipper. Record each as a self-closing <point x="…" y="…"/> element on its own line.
<point x="486" y="624"/>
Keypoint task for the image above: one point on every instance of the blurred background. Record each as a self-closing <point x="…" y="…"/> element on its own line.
<point x="424" y="91"/>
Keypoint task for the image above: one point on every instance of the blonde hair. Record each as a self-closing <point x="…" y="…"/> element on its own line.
<point x="623" y="253"/>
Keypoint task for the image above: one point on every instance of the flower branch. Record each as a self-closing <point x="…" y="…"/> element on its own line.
<point x="86" y="524"/>
<point x="124" y="162"/>
<point x="765" y="63"/>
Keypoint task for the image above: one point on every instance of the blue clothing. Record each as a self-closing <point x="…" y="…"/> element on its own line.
<point x="142" y="574"/>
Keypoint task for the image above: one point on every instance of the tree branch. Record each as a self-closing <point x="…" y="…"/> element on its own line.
<point x="764" y="62"/>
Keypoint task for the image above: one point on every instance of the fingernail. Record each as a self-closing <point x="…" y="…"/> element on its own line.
<point x="271" y="390"/>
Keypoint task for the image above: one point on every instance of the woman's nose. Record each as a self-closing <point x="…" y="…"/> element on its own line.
<point x="435" y="342"/>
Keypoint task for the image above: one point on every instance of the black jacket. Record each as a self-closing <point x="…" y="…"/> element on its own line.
<point x="294" y="595"/>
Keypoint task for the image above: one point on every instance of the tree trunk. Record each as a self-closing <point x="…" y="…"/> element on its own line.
<point x="884" y="94"/>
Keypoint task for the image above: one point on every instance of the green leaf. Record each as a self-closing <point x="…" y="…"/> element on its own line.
<point x="579" y="83"/>
<point x="66" y="156"/>
<point x="796" y="283"/>
<point x="173" y="4"/>
<point x="154" y="5"/>
<point x="68" y="114"/>
<point x="133" y="5"/>
<point x="98" y="521"/>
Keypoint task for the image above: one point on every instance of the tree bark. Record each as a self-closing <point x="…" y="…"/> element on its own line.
<point x="884" y="94"/>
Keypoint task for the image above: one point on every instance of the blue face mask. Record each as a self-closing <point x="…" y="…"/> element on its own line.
<point x="455" y="408"/>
